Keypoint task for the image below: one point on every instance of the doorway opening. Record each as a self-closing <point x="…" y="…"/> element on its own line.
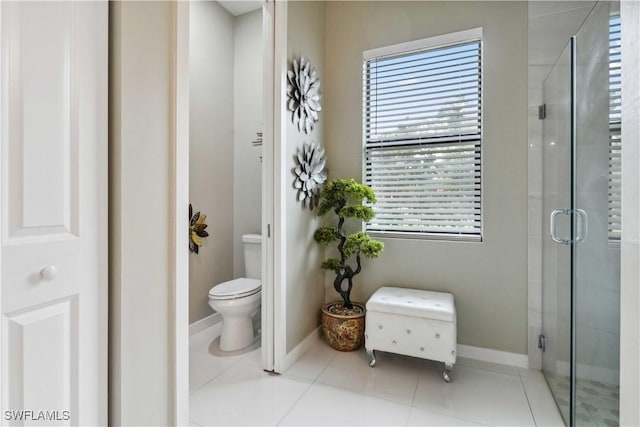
<point x="227" y="177"/>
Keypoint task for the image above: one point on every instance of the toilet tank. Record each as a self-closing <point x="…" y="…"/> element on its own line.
<point x="252" y="255"/>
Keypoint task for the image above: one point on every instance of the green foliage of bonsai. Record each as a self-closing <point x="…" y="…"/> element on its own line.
<point x="345" y="197"/>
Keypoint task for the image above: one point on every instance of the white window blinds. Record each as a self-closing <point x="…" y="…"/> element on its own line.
<point x="422" y="140"/>
<point x="615" y="121"/>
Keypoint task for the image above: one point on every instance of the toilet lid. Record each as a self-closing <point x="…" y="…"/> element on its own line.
<point x="236" y="288"/>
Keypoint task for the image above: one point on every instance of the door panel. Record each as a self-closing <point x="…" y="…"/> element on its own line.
<point x="596" y="260"/>
<point x="54" y="208"/>
<point x="43" y="382"/>
<point x="581" y="275"/>
<point x="42" y="117"/>
<point x="556" y="260"/>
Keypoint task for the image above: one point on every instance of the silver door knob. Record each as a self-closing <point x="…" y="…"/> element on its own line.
<point x="49" y="272"/>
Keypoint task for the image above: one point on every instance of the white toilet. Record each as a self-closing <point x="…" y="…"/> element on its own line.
<point x="237" y="300"/>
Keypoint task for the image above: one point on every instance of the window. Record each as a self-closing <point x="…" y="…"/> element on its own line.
<point x="422" y="131"/>
<point x="615" y="120"/>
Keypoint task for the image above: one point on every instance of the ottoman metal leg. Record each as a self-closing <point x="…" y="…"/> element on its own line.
<point x="448" y="367"/>
<point x="372" y="354"/>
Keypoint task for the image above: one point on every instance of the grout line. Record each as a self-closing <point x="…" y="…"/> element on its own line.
<point x="311" y="383"/>
<point x="406" y="423"/>
<point x="526" y="396"/>
<point x="296" y="377"/>
<point x="294" y="404"/>
<point x="520" y="375"/>
<point x="435" y="411"/>
<point x="309" y="350"/>
<point x="415" y="392"/>
<point x="213" y="378"/>
<point x="494" y="368"/>
<point x="325" y="367"/>
<point x="526" y="374"/>
<point x="362" y="393"/>
<point x="413" y="400"/>
<point x="480" y="423"/>
<point x="234" y="361"/>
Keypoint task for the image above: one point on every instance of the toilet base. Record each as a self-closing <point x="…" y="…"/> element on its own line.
<point x="237" y="333"/>
<point x="237" y="324"/>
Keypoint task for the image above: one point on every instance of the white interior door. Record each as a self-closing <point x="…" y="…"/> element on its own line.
<point x="53" y="171"/>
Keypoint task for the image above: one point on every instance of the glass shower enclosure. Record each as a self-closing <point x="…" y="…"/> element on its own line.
<point x="581" y="222"/>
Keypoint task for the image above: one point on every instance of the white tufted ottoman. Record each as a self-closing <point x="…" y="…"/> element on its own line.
<point x="412" y="322"/>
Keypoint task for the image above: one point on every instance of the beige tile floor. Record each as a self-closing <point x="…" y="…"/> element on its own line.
<point x="329" y="388"/>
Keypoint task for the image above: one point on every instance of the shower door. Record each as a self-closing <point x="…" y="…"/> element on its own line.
<point x="556" y="255"/>
<point x="596" y="260"/>
<point x="581" y="205"/>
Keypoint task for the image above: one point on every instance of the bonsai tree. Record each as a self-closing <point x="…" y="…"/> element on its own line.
<point x="345" y="198"/>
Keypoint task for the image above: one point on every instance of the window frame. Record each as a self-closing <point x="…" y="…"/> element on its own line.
<point x="436" y="42"/>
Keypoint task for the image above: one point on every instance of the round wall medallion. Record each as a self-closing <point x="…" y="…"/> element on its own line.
<point x="310" y="174"/>
<point x="303" y="91"/>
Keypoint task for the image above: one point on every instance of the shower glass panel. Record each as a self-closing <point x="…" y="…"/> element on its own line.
<point x="581" y="206"/>
<point x="596" y="260"/>
<point x="556" y="261"/>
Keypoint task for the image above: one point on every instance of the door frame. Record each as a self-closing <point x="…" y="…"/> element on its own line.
<point x="180" y="195"/>
<point x="270" y="209"/>
<point x="2" y="349"/>
<point x="273" y="208"/>
<point x="277" y="171"/>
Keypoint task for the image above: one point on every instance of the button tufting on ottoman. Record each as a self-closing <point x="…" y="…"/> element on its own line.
<point x="412" y="322"/>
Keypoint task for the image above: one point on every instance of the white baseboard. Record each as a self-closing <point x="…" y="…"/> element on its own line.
<point x="301" y="348"/>
<point x="478" y="353"/>
<point x="494" y="356"/>
<point x="202" y="324"/>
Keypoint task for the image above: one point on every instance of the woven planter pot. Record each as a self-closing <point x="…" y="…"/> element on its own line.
<point x="344" y="332"/>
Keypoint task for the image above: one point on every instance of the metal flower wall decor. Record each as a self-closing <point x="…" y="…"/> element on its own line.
<point x="303" y="91"/>
<point x="196" y="230"/>
<point x="310" y="173"/>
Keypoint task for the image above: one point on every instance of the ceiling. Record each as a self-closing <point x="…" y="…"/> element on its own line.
<point x="238" y="7"/>
<point x="551" y="25"/>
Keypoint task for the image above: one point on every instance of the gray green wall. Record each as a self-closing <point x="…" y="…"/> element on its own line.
<point x="225" y="169"/>
<point x="247" y="119"/>
<point x="488" y="279"/>
<point x="141" y="141"/>
<point x="210" y="148"/>
<point x="305" y="279"/>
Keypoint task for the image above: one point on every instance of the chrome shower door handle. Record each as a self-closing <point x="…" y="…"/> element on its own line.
<point x="552" y="226"/>
<point x="582" y="225"/>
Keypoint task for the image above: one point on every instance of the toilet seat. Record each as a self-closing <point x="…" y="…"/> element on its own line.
<point x="237" y="288"/>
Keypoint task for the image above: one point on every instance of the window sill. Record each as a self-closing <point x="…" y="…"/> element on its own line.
<point x="425" y="236"/>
